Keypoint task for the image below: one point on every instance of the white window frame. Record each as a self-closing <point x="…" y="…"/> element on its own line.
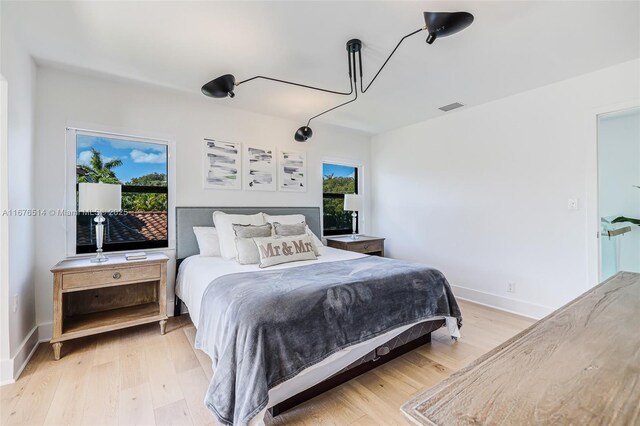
<point x="70" y="185"/>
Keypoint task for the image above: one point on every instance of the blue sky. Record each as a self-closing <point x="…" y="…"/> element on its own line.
<point x="138" y="158"/>
<point x="337" y="170"/>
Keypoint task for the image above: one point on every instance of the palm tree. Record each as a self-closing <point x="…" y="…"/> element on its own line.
<point x="98" y="170"/>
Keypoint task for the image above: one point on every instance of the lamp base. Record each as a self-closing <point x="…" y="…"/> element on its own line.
<point x="99" y="257"/>
<point x="99" y="220"/>
<point x="354" y="219"/>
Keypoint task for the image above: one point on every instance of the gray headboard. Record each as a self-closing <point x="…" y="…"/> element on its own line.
<point x="188" y="217"/>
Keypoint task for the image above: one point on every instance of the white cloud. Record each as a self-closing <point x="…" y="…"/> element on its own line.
<point x="85" y="157"/>
<point x="147" y="157"/>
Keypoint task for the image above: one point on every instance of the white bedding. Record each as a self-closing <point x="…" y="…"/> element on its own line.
<point x="196" y="272"/>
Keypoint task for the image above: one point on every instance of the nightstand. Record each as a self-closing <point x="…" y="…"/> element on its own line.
<point x="91" y="298"/>
<point x="364" y="244"/>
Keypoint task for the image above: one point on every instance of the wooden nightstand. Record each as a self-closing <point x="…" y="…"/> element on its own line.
<point x="364" y="244"/>
<point x="91" y="298"/>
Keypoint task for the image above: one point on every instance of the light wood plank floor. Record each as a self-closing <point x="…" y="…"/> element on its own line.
<point x="137" y="376"/>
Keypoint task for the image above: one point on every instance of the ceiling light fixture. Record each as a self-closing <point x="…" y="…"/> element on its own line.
<point x="437" y="24"/>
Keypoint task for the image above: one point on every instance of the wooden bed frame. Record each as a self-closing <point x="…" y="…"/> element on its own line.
<point x="187" y="217"/>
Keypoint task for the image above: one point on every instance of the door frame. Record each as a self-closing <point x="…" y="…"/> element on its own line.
<point x="592" y="197"/>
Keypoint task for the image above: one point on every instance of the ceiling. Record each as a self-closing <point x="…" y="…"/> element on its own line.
<point x="511" y="47"/>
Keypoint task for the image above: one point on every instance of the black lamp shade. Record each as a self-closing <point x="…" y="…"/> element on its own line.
<point x="303" y="134"/>
<point x="221" y="87"/>
<point x="442" y="24"/>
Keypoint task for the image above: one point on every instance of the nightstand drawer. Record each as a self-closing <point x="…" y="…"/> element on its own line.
<point x="110" y="277"/>
<point x="366" y="246"/>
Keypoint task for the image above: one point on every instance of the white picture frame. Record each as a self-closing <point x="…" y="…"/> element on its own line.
<point x="222" y="164"/>
<point x="260" y="168"/>
<point x="292" y="171"/>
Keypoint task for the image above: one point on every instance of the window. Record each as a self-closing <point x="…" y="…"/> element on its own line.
<point x="140" y="166"/>
<point x="337" y="180"/>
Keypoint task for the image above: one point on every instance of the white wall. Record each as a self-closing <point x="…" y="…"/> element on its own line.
<point x="18" y="69"/>
<point x="481" y="193"/>
<point x="64" y="97"/>
<point x="618" y="172"/>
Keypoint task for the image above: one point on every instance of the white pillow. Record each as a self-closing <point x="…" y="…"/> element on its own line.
<point x="208" y="241"/>
<point x="292" y="219"/>
<point x="277" y="250"/>
<point x="224" y="224"/>
<point x="246" y="248"/>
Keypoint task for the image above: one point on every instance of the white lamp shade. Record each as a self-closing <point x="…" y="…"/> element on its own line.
<point x="352" y="202"/>
<point x="99" y="197"/>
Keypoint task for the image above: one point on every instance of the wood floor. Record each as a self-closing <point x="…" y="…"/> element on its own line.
<point x="137" y="376"/>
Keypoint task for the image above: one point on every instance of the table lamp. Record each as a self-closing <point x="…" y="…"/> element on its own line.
<point x="353" y="203"/>
<point x="99" y="198"/>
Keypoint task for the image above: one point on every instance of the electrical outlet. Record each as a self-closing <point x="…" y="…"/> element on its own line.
<point x="15" y="303"/>
<point x="511" y="287"/>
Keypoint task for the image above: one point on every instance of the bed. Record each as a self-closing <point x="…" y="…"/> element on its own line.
<point x="197" y="275"/>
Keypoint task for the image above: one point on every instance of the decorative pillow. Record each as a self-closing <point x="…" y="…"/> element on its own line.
<point x="246" y="248"/>
<point x="282" y="230"/>
<point x="252" y="231"/>
<point x="224" y="224"/>
<point x="293" y="219"/>
<point x="277" y="250"/>
<point x="208" y="241"/>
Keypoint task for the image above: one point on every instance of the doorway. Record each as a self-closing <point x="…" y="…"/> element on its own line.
<point x="619" y="191"/>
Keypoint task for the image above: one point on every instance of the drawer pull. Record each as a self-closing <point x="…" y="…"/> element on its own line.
<point x="366" y="247"/>
<point x="116" y="275"/>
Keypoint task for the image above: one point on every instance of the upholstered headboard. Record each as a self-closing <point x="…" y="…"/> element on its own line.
<point x="188" y="217"/>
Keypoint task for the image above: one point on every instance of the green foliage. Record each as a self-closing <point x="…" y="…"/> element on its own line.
<point x="147" y="202"/>
<point x="135" y="202"/>
<point x="334" y="215"/>
<point x="338" y="185"/>
<point x="97" y="170"/>
<point x="152" y="179"/>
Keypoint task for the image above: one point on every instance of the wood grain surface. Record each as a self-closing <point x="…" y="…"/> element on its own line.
<point x="91" y="298"/>
<point x="580" y="365"/>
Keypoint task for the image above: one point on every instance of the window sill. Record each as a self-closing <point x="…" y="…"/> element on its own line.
<point x="108" y="253"/>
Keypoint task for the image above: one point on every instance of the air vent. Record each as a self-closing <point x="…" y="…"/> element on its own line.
<point x="451" y="106"/>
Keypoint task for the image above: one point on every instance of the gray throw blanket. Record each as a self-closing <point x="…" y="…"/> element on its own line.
<point x="263" y="328"/>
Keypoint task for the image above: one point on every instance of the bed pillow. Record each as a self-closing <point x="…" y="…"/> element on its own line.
<point x="282" y="230"/>
<point x="292" y="219"/>
<point x="246" y="248"/>
<point x="286" y="230"/>
<point x="252" y="231"/>
<point x="224" y="224"/>
<point x="208" y="241"/>
<point x="277" y="250"/>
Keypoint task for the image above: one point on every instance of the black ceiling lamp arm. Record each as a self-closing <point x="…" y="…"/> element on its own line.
<point x="364" y="89"/>
<point x="354" y="80"/>
<point x="304" y="85"/>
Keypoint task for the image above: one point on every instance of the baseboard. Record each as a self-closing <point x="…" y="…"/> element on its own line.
<point x="6" y="372"/>
<point x="10" y="369"/>
<point x="514" y="306"/>
<point x="45" y="332"/>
